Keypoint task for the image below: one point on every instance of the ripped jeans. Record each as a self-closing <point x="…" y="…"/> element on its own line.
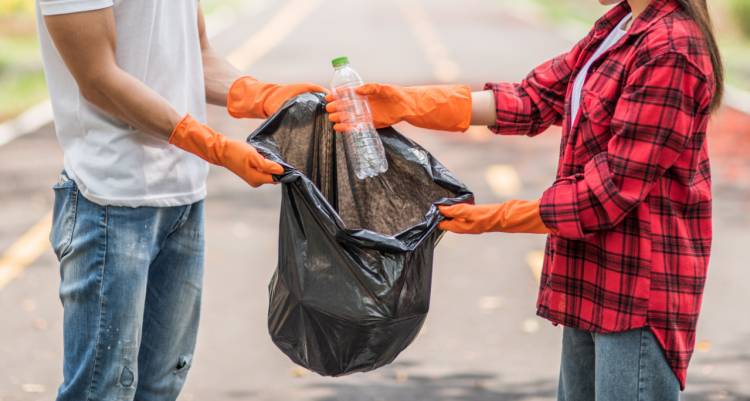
<point x="131" y="281"/>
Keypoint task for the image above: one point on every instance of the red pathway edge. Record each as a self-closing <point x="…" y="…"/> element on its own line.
<point x="729" y="145"/>
<point x="730" y="127"/>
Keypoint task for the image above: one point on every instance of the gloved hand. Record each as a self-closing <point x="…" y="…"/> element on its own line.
<point x="446" y="107"/>
<point x="250" y="98"/>
<point x="515" y="216"/>
<point x="239" y="157"/>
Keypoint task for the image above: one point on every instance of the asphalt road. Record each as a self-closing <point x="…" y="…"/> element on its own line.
<point x="482" y="340"/>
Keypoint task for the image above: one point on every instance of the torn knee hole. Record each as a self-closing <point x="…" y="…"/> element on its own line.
<point x="183" y="363"/>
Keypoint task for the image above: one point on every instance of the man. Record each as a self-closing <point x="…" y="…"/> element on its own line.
<point x="129" y="81"/>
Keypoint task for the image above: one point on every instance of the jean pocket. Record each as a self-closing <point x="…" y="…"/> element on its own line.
<point x="63" y="215"/>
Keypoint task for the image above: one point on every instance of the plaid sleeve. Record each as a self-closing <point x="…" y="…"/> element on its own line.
<point x="530" y="107"/>
<point x="652" y="124"/>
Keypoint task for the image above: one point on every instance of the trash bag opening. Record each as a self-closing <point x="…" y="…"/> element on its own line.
<point x="388" y="203"/>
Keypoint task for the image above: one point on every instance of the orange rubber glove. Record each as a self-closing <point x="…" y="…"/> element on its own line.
<point x="515" y="216"/>
<point x="445" y="107"/>
<point x="239" y="157"/>
<point x="250" y="98"/>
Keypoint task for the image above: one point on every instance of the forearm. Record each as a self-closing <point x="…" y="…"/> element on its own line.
<point x="87" y="43"/>
<point x="483" y="108"/>
<point x="219" y="75"/>
<point x="126" y="98"/>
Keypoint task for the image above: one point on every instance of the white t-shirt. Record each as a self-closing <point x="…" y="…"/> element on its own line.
<point x="111" y="162"/>
<point x="613" y="37"/>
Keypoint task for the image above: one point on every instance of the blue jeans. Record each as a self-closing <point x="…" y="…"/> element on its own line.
<point x="627" y="366"/>
<point x="131" y="281"/>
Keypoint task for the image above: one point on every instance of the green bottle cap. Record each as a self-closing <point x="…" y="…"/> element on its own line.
<point x="340" y="62"/>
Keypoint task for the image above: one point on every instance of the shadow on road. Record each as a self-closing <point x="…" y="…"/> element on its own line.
<point x="465" y="386"/>
<point x="716" y="387"/>
<point x="712" y="395"/>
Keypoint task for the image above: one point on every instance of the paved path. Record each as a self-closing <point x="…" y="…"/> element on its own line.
<point x="482" y="341"/>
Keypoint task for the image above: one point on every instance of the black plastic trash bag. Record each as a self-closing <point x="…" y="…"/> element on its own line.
<point x="352" y="286"/>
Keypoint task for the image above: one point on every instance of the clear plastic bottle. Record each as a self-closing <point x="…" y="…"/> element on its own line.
<point x="363" y="146"/>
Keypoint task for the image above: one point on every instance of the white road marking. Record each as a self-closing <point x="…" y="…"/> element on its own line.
<point x="29" y="121"/>
<point x="25" y="250"/>
<point x="273" y="33"/>
<point x="225" y="17"/>
<point x="444" y="67"/>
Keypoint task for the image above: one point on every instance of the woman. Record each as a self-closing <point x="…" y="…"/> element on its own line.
<point x="629" y="216"/>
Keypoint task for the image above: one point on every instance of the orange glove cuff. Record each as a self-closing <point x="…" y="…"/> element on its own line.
<point x="196" y="138"/>
<point x="444" y="107"/>
<point x="523" y="217"/>
<point x="515" y="216"/>
<point x="247" y="97"/>
<point x="239" y="157"/>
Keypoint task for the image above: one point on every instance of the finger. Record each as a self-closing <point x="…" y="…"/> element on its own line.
<point x="336" y="117"/>
<point x="341" y="117"/>
<point x="343" y="127"/>
<point x="256" y="161"/>
<point x="339" y="105"/>
<point x="330" y="97"/>
<point x="461" y="210"/>
<point x="256" y="178"/>
<point x="270" y="167"/>
<point x="333" y="106"/>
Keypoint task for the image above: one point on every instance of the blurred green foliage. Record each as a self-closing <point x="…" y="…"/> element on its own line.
<point x="741" y="11"/>
<point x="11" y="7"/>
<point x="733" y="31"/>
<point x="21" y="76"/>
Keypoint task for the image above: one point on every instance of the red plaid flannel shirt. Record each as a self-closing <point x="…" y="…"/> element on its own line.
<point x="631" y="207"/>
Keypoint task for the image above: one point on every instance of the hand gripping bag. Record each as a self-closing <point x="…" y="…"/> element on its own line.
<point x="352" y="285"/>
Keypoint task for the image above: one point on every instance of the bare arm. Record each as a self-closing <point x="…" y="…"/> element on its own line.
<point x="218" y="73"/>
<point x="483" y="108"/>
<point x="87" y="42"/>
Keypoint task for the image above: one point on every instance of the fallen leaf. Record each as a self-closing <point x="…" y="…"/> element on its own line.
<point x="530" y="326"/>
<point x="503" y="179"/>
<point x="703" y="346"/>
<point x="28" y="305"/>
<point x="40" y="324"/>
<point x="401" y="376"/>
<point x="32" y="388"/>
<point x="535" y="261"/>
<point x="490" y="303"/>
